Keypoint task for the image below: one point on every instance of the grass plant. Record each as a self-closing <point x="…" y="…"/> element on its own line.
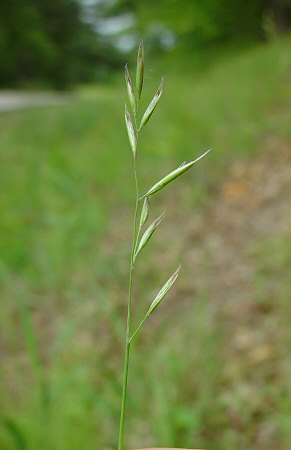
<point x="134" y="128"/>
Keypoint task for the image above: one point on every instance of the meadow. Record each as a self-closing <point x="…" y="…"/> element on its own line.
<point x="212" y="368"/>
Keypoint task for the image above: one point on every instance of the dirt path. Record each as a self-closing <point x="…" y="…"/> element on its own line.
<point x="226" y="246"/>
<point x="237" y="252"/>
<point x="14" y="100"/>
<point x="252" y="211"/>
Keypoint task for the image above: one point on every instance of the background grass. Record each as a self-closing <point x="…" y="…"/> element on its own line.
<point x="66" y="196"/>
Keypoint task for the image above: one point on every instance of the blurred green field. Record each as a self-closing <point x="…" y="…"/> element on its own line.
<point x="206" y="372"/>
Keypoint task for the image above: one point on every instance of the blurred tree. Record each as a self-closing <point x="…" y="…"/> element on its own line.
<point x="62" y="42"/>
<point x="200" y="22"/>
<point x="205" y="22"/>
<point x="48" y="41"/>
<point x="24" y="46"/>
<point x="280" y="12"/>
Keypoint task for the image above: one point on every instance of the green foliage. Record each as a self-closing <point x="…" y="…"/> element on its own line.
<point x="60" y="42"/>
<point x="201" y="22"/>
<point x="47" y="42"/>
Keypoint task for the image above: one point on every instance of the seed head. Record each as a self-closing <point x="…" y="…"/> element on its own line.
<point x="139" y="70"/>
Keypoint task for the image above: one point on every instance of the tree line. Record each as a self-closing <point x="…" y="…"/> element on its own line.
<point x="51" y="42"/>
<point x="48" y="42"/>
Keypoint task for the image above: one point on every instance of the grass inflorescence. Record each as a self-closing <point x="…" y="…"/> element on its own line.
<point x="140" y="241"/>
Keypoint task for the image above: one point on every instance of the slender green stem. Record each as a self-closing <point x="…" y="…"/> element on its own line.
<point x="124" y="393"/>
<point x="128" y="327"/>
<point x="138" y="328"/>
